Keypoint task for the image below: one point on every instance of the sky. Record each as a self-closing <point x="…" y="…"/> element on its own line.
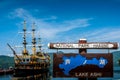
<point x="59" y="21"/>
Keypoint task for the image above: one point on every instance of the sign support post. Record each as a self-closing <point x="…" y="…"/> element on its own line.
<point x="84" y="51"/>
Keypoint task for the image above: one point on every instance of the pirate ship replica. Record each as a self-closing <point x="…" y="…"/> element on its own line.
<point x="29" y="64"/>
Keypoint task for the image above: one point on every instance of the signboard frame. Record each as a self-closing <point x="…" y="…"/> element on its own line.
<point x="89" y="71"/>
<point x="90" y="45"/>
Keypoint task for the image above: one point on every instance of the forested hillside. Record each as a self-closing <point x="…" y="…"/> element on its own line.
<point x="6" y="61"/>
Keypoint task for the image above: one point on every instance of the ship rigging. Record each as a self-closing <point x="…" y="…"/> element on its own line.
<point x="29" y="64"/>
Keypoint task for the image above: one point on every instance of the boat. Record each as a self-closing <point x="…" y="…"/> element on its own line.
<point x="6" y="71"/>
<point x="29" y="64"/>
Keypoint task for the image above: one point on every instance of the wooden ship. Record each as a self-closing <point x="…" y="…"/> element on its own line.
<point x="30" y="64"/>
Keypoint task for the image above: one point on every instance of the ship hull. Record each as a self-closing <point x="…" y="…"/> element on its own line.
<point x="2" y="72"/>
<point x="29" y="72"/>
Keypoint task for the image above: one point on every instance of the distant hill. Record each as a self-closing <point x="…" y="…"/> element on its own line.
<point x="6" y="61"/>
<point x="116" y="57"/>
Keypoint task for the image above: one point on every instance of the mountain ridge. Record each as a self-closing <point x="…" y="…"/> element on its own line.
<point x="7" y="61"/>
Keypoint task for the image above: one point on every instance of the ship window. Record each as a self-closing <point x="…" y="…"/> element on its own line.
<point x="23" y="60"/>
<point x="27" y="60"/>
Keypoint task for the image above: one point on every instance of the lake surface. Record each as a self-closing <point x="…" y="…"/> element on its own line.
<point x="116" y="77"/>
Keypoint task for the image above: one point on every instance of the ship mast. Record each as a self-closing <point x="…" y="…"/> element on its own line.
<point x="40" y="45"/>
<point x="33" y="39"/>
<point x="25" y="52"/>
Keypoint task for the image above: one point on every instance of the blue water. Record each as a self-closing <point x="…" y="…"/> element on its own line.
<point x="116" y="77"/>
<point x="5" y="77"/>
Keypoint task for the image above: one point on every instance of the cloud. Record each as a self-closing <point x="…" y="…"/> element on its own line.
<point x="20" y="12"/>
<point x="109" y="35"/>
<point x="49" y="30"/>
<point x="51" y="18"/>
<point x="96" y="35"/>
<point x="106" y="34"/>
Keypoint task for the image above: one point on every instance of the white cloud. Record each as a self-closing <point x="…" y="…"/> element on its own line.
<point x="110" y="34"/>
<point x="46" y="29"/>
<point x="97" y="35"/>
<point x="51" y="18"/>
<point x="20" y="12"/>
<point x="50" y="30"/>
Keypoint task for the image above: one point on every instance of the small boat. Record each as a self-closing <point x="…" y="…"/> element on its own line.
<point x="6" y="71"/>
